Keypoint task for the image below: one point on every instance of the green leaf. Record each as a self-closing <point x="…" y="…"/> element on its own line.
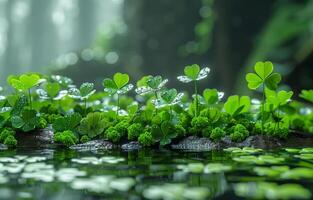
<point x="192" y="71"/>
<point x="277" y="98"/>
<point x="235" y="105"/>
<point x="93" y="125"/>
<point x="17" y="122"/>
<point x="154" y="82"/>
<point x="24" y="82"/>
<point x="86" y="89"/>
<point x="307" y="95"/>
<point x="169" y="95"/>
<point x="272" y="81"/>
<point x="254" y="81"/>
<point x="263" y="69"/>
<point x="69" y="122"/>
<point x="210" y="96"/>
<point x="52" y="89"/>
<point x="120" y="79"/>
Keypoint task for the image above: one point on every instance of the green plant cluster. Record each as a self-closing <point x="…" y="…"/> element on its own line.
<point x="157" y="115"/>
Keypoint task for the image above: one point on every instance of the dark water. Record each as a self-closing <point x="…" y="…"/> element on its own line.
<point x="156" y="174"/>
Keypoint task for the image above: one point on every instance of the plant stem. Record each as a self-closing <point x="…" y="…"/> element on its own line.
<point x="262" y="111"/>
<point x="30" y="99"/>
<point x="85" y="103"/>
<point x="118" y="105"/>
<point x="196" y="100"/>
<point x="156" y="98"/>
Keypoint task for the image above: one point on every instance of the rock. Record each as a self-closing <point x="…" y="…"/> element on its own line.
<point x="195" y="143"/>
<point x="131" y="146"/>
<point x="93" y="145"/>
<point x="3" y="147"/>
<point x="41" y="138"/>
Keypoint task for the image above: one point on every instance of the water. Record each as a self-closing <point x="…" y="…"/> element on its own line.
<point x="156" y="174"/>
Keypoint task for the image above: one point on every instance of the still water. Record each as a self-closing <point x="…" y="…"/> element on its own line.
<point x="156" y="174"/>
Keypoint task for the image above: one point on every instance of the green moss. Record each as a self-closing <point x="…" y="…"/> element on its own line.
<point x="134" y="131"/>
<point x="10" y="141"/>
<point x="67" y="138"/>
<point x="180" y="130"/>
<point x="198" y="124"/>
<point x="146" y="139"/>
<point x="113" y="135"/>
<point x="84" y="139"/>
<point x="217" y="134"/>
<point x="121" y="127"/>
<point x="239" y="133"/>
<point x="42" y="123"/>
<point x="5" y="133"/>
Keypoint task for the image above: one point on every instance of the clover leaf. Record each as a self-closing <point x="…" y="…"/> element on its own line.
<point x="236" y="105"/>
<point x="119" y="84"/>
<point x="212" y="96"/>
<point x="25" y="82"/>
<point x="93" y="125"/>
<point x="307" y="95"/>
<point x="27" y="121"/>
<point x="263" y="75"/>
<point x="68" y="122"/>
<point x="83" y="93"/>
<point x="64" y="82"/>
<point x="52" y="91"/>
<point x="168" y="98"/>
<point x="278" y="98"/>
<point x="152" y="84"/>
<point x="164" y="133"/>
<point x="193" y="73"/>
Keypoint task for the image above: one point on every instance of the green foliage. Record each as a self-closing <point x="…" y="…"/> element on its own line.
<point x="217" y="134"/>
<point x="164" y="133"/>
<point x="10" y="141"/>
<point x="93" y="125"/>
<point x="113" y="135"/>
<point x="146" y="139"/>
<point x="6" y="133"/>
<point x="235" y="105"/>
<point x="263" y="76"/>
<point x="27" y="121"/>
<point x="84" y="139"/>
<point x="117" y="85"/>
<point x="307" y="95"/>
<point x="278" y="99"/>
<point x="66" y="138"/>
<point x="134" y="130"/>
<point x="150" y="84"/>
<point x="25" y="82"/>
<point x="198" y="124"/>
<point x="210" y="96"/>
<point x="68" y="122"/>
<point x="83" y="93"/>
<point x="239" y="133"/>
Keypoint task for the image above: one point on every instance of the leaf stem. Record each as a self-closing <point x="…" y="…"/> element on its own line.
<point x="118" y="105"/>
<point x="85" y="104"/>
<point x="196" y="100"/>
<point x="262" y="111"/>
<point x="156" y="99"/>
<point x="30" y="99"/>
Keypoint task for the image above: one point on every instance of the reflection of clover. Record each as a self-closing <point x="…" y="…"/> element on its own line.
<point x="83" y="93"/>
<point x="168" y="98"/>
<point x="52" y="91"/>
<point x="153" y="84"/>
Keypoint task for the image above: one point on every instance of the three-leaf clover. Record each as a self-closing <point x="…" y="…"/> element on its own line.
<point x="263" y="76"/>
<point x="193" y="73"/>
<point x="278" y="98"/>
<point x="212" y="96"/>
<point x="118" y="85"/>
<point x="83" y="93"/>
<point x="24" y="83"/>
<point x="236" y="105"/>
<point x="27" y="121"/>
<point x="168" y="98"/>
<point x="52" y="91"/>
<point x="151" y="84"/>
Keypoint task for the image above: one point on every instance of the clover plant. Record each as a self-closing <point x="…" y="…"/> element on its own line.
<point x="117" y="86"/>
<point x="236" y="105"/>
<point x="263" y="77"/>
<point x="83" y="93"/>
<point x="194" y="74"/>
<point x="307" y="95"/>
<point x="25" y="83"/>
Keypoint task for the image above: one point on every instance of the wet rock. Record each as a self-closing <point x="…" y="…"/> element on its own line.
<point x="195" y="143"/>
<point x="3" y="147"/>
<point x="131" y="146"/>
<point x="93" y="145"/>
<point x="40" y="138"/>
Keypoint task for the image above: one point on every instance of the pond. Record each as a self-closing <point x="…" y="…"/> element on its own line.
<point x="233" y="173"/>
